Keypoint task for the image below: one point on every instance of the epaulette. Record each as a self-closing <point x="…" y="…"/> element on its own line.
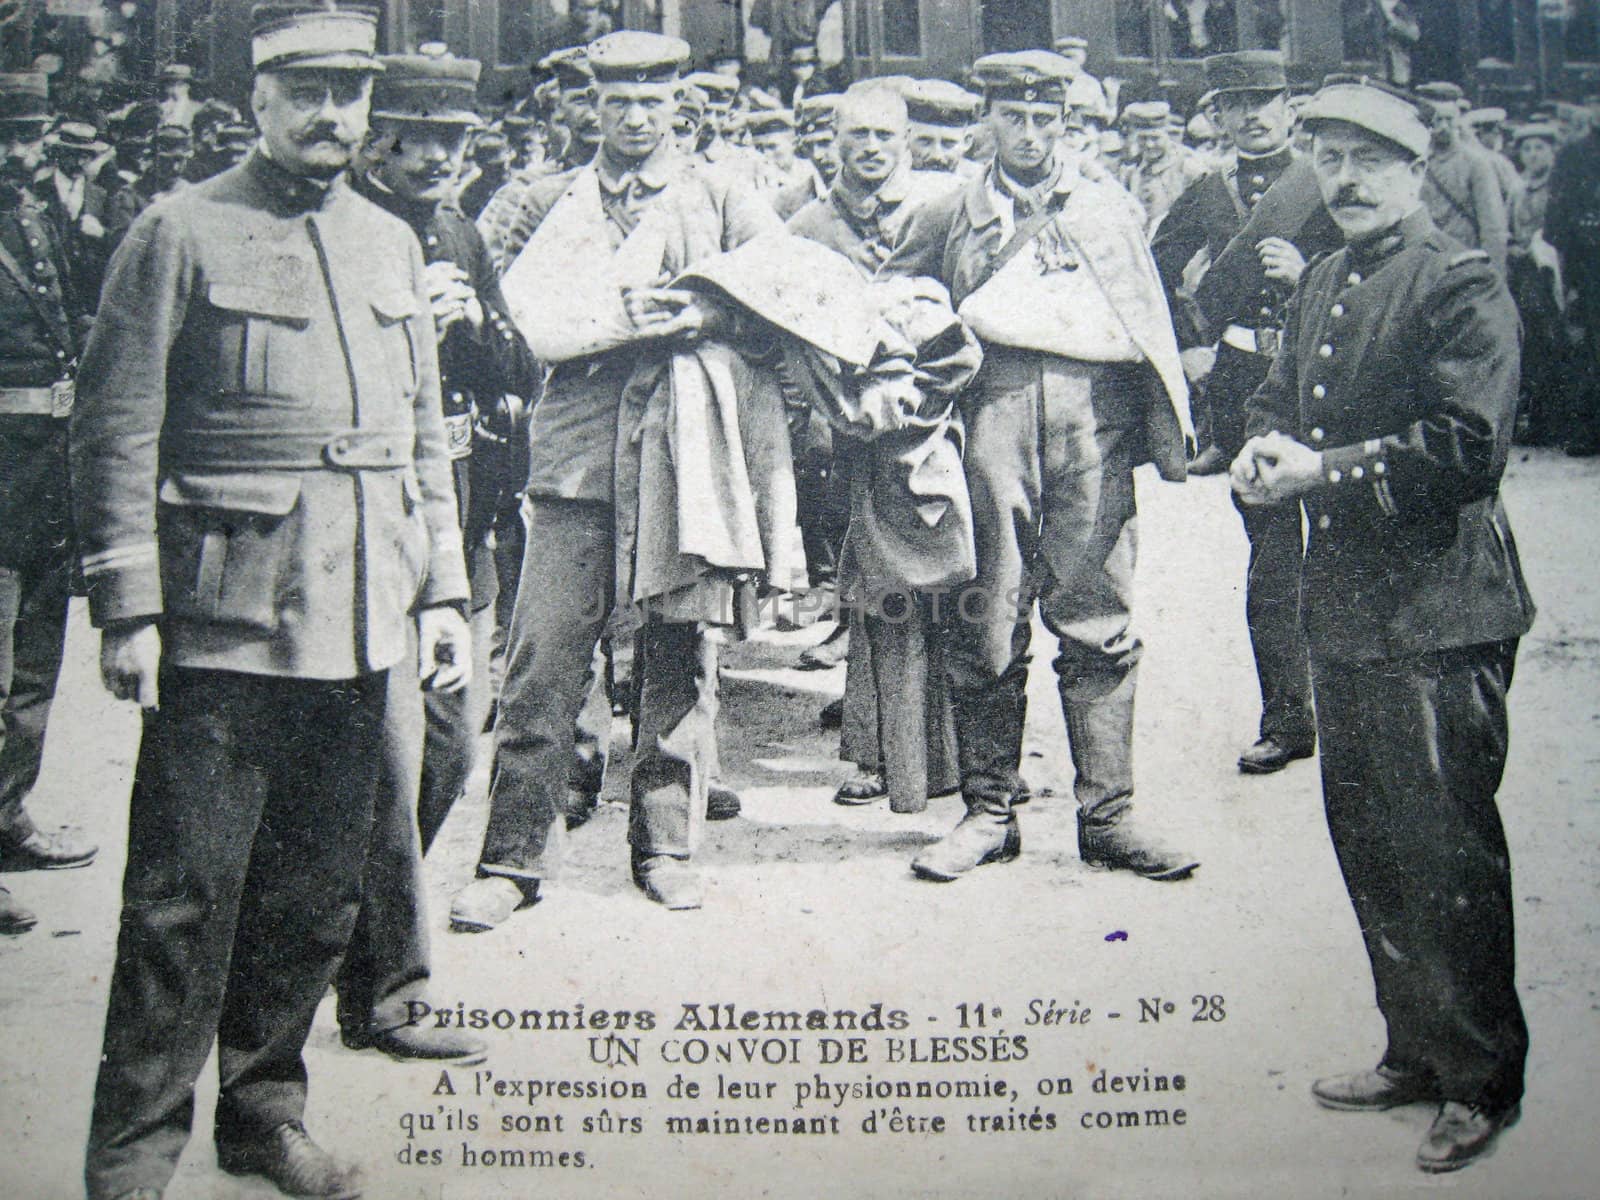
<point x="1465" y="257"/>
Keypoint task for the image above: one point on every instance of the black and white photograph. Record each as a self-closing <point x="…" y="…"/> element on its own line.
<point x="653" y="599"/>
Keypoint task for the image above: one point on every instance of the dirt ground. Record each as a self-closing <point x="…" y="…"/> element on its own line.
<point x="812" y="905"/>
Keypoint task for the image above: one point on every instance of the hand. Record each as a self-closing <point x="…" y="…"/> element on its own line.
<point x="1197" y="362"/>
<point x="452" y="296"/>
<point x="1278" y="468"/>
<point x="1280" y="259"/>
<point x="444" y="649"/>
<point x="129" y="661"/>
<point x="672" y="312"/>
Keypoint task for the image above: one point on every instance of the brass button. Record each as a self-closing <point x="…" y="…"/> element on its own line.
<point x="1335" y="475"/>
<point x="1378" y="468"/>
<point x="1317" y="435"/>
<point x="1324" y="521"/>
<point x="1356" y="473"/>
<point x="1353" y="279"/>
<point x="1326" y="350"/>
<point x="1319" y="391"/>
<point x="1337" y="310"/>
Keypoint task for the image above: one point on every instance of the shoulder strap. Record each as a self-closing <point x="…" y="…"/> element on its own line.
<point x="1455" y="203"/>
<point x="1020" y="237"/>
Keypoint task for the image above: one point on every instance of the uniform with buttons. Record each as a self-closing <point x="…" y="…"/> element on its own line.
<point x="1400" y="366"/>
<point x="38" y="354"/>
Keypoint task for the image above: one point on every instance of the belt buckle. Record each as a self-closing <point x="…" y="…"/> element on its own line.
<point x="63" y="393"/>
<point x="1267" y="341"/>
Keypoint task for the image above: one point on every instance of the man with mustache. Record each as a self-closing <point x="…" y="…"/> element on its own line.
<point x="268" y="528"/>
<point x="1258" y="222"/>
<point x="1080" y="383"/>
<point x="941" y="116"/>
<point x="39" y="344"/>
<point x="1387" y="415"/>
<point x="422" y="113"/>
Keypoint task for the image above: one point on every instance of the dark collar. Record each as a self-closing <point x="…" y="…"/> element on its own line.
<point x="1271" y="165"/>
<point x="1376" y="250"/>
<point x="417" y="214"/>
<point x="295" y="194"/>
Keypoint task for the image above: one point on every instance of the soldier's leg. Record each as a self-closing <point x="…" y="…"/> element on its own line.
<point x="453" y="722"/>
<point x="563" y="600"/>
<point x="676" y="667"/>
<point x="1088" y="547"/>
<point x="591" y="743"/>
<point x="33" y="628"/>
<point x="198" y="791"/>
<point x="301" y="894"/>
<point x="860" y="723"/>
<point x="986" y="627"/>
<point x="1272" y="610"/>
<point x="1419" y="752"/>
<point x="901" y="662"/>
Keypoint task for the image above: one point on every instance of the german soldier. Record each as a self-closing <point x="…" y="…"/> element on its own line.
<point x="585" y="292"/>
<point x="1080" y="382"/>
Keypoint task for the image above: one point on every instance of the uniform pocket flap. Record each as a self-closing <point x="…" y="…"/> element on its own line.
<point x="394" y="305"/>
<point x="260" y="301"/>
<point x="271" y="495"/>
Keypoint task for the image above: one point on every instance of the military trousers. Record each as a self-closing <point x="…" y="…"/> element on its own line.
<point x="1412" y="754"/>
<point x="428" y="744"/>
<point x="251" y="810"/>
<point x="564" y="601"/>
<point x="1272" y="580"/>
<point x="1051" y="444"/>
<point x="35" y="580"/>
<point x="33" y="631"/>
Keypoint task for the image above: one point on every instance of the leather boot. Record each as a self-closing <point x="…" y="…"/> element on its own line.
<point x="15" y="917"/>
<point x="987" y="834"/>
<point x="1108" y="837"/>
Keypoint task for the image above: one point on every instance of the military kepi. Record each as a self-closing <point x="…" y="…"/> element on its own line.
<point x="306" y="36"/>
<point x="25" y="96"/>
<point x="1246" y="71"/>
<point x="1371" y="106"/>
<point x="1031" y="76"/>
<point x="634" y="56"/>
<point x="430" y="85"/>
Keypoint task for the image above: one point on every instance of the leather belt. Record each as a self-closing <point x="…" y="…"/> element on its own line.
<point x="1252" y="341"/>
<point x="336" y="449"/>
<point x="53" y="401"/>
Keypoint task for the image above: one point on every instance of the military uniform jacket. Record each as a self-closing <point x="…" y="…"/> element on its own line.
<point x="38" y="348"/>
<point x="865" y="230"/>
<point x="1209" y="215"/>
<point x="1400" y="363"/>
<point x="1464" y="198"/>
<point x="955" y="238"/>
<point x="565" y="291"/>
<point x="258" y="455"/>
<point x="476" y="367"/>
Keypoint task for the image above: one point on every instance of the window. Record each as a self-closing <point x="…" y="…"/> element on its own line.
<point x="424" y="22"/>
<point x="902" y="28"/>
<point x="1583" y="31"/>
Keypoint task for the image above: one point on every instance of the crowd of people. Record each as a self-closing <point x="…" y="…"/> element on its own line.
<point x="368" y="423"/>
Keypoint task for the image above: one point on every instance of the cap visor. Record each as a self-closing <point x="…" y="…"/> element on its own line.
<point x="327" y="62"/>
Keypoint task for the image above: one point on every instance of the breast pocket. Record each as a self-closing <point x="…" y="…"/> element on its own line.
<point x="393" y="310"/>
<point x="259" y="345"/>
<point x="225" y="546"/>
